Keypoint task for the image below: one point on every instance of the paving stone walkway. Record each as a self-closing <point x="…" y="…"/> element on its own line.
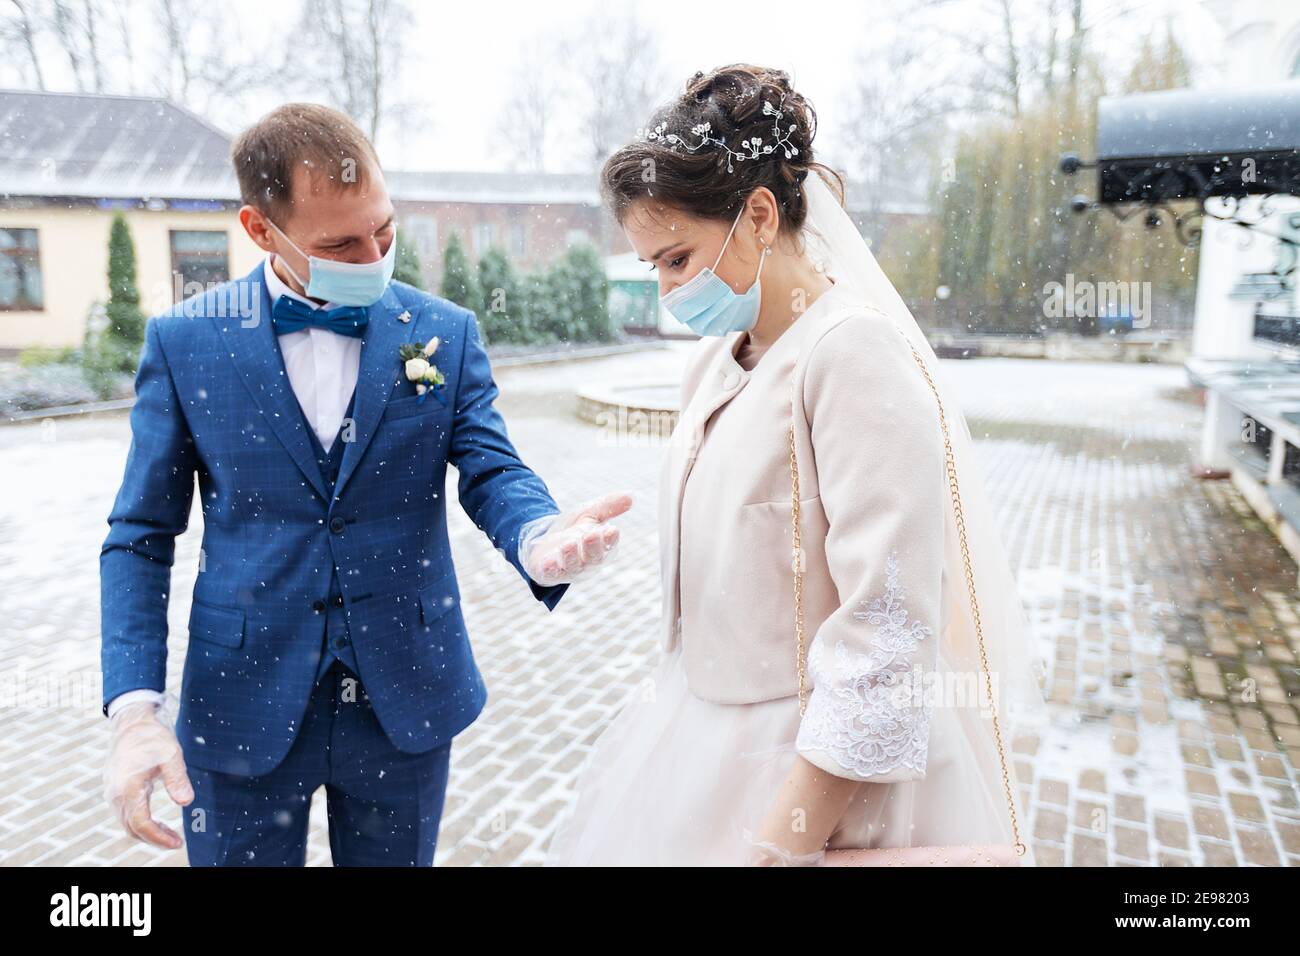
<point x="1166" y="612"/>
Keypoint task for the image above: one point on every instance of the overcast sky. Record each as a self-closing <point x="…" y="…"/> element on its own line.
<point x="458" y="57"/>
<point x="816" y="41"/>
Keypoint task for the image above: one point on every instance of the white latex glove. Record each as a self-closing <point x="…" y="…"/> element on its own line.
<point x="762" y="853"/>
<point x="558" y="548"/>
<point x="142" y="747"/>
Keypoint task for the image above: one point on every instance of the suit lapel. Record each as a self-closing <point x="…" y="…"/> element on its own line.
<point x="380" y="370"/>
<point x="256" y="355"/>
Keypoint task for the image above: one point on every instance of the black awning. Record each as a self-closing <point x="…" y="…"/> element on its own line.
<point x="1185" y="144"/>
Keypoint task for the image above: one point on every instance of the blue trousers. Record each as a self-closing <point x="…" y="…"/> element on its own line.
<point x="384" y="805"/>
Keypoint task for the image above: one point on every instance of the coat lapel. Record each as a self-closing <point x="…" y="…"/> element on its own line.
<point x="711" y="394"/>
<point x="380" y="370"/>
<point x="246" y="328"/>
<point x="723" y="380"/>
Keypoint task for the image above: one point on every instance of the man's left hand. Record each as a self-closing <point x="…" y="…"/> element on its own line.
<point x="576" y="541"/>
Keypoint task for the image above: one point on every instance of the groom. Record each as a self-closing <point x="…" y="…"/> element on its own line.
<point x="319" y="403"/>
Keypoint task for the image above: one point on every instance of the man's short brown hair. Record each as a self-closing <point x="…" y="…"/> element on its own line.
<point x="318" y="139"/>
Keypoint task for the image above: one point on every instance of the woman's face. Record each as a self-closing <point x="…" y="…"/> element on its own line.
<point x="676" y="246"/>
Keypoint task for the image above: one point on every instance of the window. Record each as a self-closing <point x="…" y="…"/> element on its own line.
<point x="483" y="236"/>
<point x="199" y="260"/>
<point x="423" y="232"/>
<point x="20" y="271"/>
<point x="634" y="305"/>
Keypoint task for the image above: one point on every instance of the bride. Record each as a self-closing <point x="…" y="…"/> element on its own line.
<point x="822" y="683"/>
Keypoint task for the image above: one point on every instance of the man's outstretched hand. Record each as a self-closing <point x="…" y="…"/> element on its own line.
<point x="576" y="541"/>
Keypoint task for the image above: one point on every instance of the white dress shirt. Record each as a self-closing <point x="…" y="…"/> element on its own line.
<point x="322" y="367"/>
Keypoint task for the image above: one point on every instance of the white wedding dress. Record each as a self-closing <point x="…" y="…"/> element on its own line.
<point x="674" y="780"/>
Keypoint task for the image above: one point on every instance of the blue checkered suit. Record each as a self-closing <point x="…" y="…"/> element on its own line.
<point x="213" y="400"/>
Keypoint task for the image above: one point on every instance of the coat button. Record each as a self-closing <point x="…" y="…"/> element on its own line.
<point x="337" y="600"/>
<point x="337" y="524"/>
<point x="318" y="606"/>
<point x="731" y="381"/>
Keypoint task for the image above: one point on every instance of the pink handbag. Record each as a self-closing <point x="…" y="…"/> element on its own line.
<point x="975" y="855"/>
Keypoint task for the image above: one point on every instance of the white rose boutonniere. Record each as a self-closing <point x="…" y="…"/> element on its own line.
<point x="415" y="358"/>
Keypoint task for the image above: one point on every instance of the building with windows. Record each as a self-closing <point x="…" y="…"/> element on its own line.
<point x="70" y="162"/>
<point x="531" y="217"/>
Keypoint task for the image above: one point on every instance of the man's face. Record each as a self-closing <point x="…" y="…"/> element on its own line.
<point x="352" y="224"/>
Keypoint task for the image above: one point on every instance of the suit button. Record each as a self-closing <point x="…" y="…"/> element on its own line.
<point x="336" y="524"/>
<point x="337" y="601"/>
<point x="340" y="643"/>
<point x="318" y="606"/>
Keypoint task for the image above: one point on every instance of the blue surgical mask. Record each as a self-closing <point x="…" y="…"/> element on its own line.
<point x="708" y="306"/>
<point x="345" y="283"/>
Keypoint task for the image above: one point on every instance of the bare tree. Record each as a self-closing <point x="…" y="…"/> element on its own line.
<point x="536" y="95"/>
<point x="91" y="45"/>
<point x="202" y="70"/>
<point x="90" y="17"/>
<point x="122" y="11"/>
<point x="66" y="32"/>
<point x="1008" y="51"/>
<point x="172" y="14"/>
<point x="615" y="82"/>
<point x="18" y="32"/>
<point x="351" y="49"/>
<point x="82" y="43"/>
<point x="897" y="111"/>
<point x="989" y="40"/>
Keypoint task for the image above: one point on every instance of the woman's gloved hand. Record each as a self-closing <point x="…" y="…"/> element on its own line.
<point x="763" y="853"/>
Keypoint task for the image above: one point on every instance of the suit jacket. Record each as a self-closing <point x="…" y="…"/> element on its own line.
<point x="213" y="401"/>
<point x="873" y="500"/>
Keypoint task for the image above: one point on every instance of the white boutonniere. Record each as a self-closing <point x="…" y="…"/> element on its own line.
<point x="415" y="358"/>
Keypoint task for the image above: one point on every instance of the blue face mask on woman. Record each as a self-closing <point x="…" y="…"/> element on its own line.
<point x="708" y="306"/>
<point x="345" y="283"/>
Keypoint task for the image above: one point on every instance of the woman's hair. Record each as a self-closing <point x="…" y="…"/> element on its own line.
<point x="698" y="182"/>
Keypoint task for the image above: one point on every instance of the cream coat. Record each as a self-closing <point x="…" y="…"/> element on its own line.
<point x="873" y="498"/>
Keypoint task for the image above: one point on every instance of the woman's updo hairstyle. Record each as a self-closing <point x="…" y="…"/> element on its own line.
<point x="730" y="101"/>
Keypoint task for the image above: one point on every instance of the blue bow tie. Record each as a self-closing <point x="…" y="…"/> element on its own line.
<point x="290" y="315"/>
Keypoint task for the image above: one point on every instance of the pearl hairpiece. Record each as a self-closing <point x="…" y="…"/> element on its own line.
<point x="752" y="148"/>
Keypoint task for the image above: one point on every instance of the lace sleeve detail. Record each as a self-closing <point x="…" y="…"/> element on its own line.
<point x="868" y="711"/>
<point x="879" y="460"/>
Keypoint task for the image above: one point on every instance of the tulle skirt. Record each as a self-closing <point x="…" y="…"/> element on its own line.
<point x="675" y="780"/>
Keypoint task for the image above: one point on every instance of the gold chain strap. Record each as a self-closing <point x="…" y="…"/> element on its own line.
<point x="796" y="558"/>
<point x="797" y="563"/>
